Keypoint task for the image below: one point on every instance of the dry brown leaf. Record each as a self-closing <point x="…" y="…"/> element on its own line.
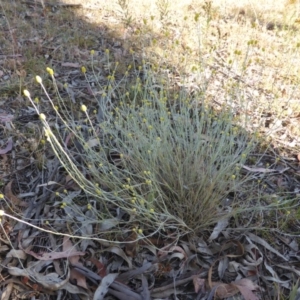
<point x="263" y="243"/>
<point x="73" y="289"/>
<point x="131" y="244"/>
<point x="10" y="196"/>
<point x="220" y="226"/>
<point x="169" y="248"/>
<point x="6" y="295"/>
<point x="127" y="276"/>
<point x="50" y="281"/>
<point x="87" y="230"/>
<point x="121" y="253"/>
<point x="246" y="287"/>
<point x="20" y="254"/>
<point x="223" y="266"/>
<point x="100" y="267"/>
<point x="224" y="290"/>
<point x="53" y="255"/>
<point x="74" y="274"/>
<point x="199" y="283"/>
<point x="103" y="287"/>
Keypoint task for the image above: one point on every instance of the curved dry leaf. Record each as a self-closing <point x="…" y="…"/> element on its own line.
<point x="222" y="267"/>
<point x="78" y="277"/>
<point x="20" y="254"/>
<point x="8" y="146"/>
<point x="108" y="224"/>
<point x="50" y="281"/>
<point x="199" y="283"/>
<point x="127" y="276"/>
<point x="203" y="248"/>
<point x="223" y="290"/>
<point x="169" y="248"/>
<point x="68" y="246"/>
<point x="220" y="226"/>
<point x="187" y="249"/>
<point x="70" y="197"/>
<point x="271" y="270"/>
<point x="53" y="255"/>
<point x="10" y="196"/>
<point x="238" y="248"/>
<point x="103" y="287"/>
<point x="17" y="271"/>
<point x="289" y="268"/>
<point x="74" y="274"/>
<point x="145" y="292"/>
<point x="73" y="289"/>
<point x="87" y="230"/>
<point x="180" y="256"/>
<point x="6" y="295"/>
<point x="131" y="244"/>
<point x="121" y="253"/>
<point x="263" y="243"/>
<point x="254" y="256"/>
<point x="101" y="268"/>
<point x="246" y="287"/>
<point x="248" y="261"/>
<point x="178" y="252"/>
<point x="178" y="249"/>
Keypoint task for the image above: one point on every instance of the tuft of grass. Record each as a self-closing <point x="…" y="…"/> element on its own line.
<point x="156" y="160"/>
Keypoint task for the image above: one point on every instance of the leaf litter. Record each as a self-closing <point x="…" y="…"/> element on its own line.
<point x="229" y="263"/>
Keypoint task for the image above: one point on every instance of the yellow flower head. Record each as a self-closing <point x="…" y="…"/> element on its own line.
<point x="26" y="93"/>
<point x="83" y="108"/>
<point x="50" y="71"/>
<point x="83" y="69"/>
<point x="42" y="117"/>
<point x="38" y="79"/>
<point x="92" y="52"/>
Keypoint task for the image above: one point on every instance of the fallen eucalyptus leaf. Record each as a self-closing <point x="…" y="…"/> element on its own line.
<point x="103" y="287"/>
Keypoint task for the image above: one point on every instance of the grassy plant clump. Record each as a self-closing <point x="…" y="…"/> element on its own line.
<point x="155" y="160"/>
